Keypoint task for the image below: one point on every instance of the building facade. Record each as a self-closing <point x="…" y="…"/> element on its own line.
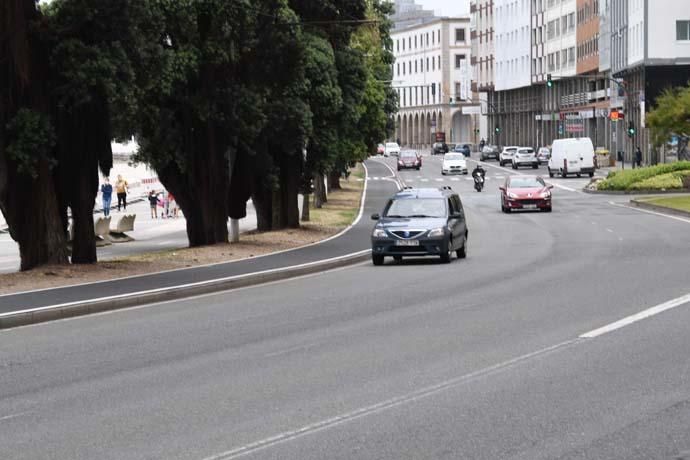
<point x="432" y="74"/>
<point x="650" y="52"/>
<point x="482" y="37"/>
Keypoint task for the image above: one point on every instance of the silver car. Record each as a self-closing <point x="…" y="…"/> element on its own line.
<point x="525" y="156"/>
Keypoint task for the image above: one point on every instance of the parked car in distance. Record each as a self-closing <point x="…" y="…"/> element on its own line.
<point x="439" y="148"/>
<point x="465" y="149"/>
<point x="572" y="156"/>
<point x="391" y="148"/>
<point x="380" y="149"/>
<point x="525" y="156"/>
<point x="454" y="163"/>
<point x="506" y="155"/>
<point x="543" y="155"/>
<point x="409" y="160"/>
<point x="489" y="151"/>
<point x="420" y="222"/>
<point x="525" y="192"/>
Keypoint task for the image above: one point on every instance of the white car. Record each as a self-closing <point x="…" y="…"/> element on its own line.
<point x="454" y="163"/>
<point x="392" y="148"/>
<point x="506" y="155"/>
<point x="525" y="156"/>
<point x="543" y="155"/>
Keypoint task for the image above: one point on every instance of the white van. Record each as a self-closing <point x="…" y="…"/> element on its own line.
<point x="572" y="156"/>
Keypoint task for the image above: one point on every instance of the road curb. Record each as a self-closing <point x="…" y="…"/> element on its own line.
<point x="134" y="299"/>
<point x="636" y="192"/>
<point x="661" y="209"/>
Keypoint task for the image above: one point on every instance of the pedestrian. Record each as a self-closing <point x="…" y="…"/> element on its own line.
<point x="121" y="187"/>
<point x="481" y="144"/>
<point x="172" y="212"/>
<point x="153" y="203"/>
<point x="638" y="157"/>
<point x="106" y="195"/>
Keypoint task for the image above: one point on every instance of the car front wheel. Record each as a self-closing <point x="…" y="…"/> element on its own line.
<point x="445" y="257"/>
<point x="462" y="252"/>
<point x="377" y="259"/>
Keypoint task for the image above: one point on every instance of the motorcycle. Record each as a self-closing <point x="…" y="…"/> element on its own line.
<point x="478" y="181"/>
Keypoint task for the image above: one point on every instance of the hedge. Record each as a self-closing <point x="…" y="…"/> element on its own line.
<point x="625" y="180"/>
<point x="668" y="181"/>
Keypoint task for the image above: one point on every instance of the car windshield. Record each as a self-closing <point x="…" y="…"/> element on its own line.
<point x="408" y="154"/>
<point x="526" y="151"/>
<point x="417" y="207"/>
<point x="511" y="150"/>
<point x="392" y="145"/>
<point x="453" y="157"/>
<point x="526" y="182"/>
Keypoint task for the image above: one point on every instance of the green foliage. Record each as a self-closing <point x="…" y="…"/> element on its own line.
<point x="670" y="116"/>
<point x="669" y="181"/>
<point x="628" y="179"/>
<point x="31" y="139"/>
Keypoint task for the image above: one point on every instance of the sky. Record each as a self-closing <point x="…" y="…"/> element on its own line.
<point x="447" y="7"/>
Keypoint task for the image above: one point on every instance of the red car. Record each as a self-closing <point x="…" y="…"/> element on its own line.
<point x="409" y="160"/>
<point x="525" y="192"/>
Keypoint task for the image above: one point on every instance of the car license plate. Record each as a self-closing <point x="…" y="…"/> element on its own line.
<point x="573" y="162"/>
<point x="530" y="206"/>
<point x="407" y="243"/>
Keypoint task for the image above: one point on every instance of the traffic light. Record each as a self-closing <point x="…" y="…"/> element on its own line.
<point x="498" y="129"/>
<point x="549" y="81"/>
<point x="631" y="129"/>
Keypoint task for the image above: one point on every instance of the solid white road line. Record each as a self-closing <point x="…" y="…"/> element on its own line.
<point x="654" y="213"/>
<point x="648" y="313"/>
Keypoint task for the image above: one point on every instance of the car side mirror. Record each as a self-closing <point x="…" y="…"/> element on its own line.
<point x="502" y="188"/>
<point x="375" y="217"/>
<point x="550" y="187"/>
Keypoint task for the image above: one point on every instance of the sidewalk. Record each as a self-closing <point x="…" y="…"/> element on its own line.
<point x="354" y="240"/>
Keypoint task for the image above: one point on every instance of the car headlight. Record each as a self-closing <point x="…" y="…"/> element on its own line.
<point x="379" y="233"/>
<point x="512" y="195"/>
<point x="436" y="232"/>
<point x="546" y="195"/>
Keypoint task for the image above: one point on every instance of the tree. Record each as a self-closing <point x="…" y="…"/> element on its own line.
<point x="28" y="197"/>
<point x="93" y="48"/>
<point x="671" y="117"/>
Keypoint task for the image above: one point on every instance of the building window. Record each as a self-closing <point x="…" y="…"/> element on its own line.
<point x="459" y="35"/>
<point x="397" y="45"/>
<point x="439" y="63"/>
<point x="683" y="30"/>
<point x="458" y="60"/>
<point x="398" y="69"/>
<point x="415" y="66"/>
<point x="427" y="64"/>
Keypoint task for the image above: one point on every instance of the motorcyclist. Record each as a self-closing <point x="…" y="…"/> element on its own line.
<point x="478" y="173"/>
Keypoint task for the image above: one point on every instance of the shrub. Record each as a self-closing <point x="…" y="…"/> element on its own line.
<point x="668" y="181"/>
<point x="624" y="180"/>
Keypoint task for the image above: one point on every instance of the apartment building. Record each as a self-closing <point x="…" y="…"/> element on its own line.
<point x="433" y="75"/>
<point x="483" y="55"/>
<point x="650" y="51"/>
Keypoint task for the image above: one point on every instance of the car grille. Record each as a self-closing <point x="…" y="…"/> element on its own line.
<point x="530" y="201"/>
<point x="408" y="249"/>
<point x="410" y="234"/>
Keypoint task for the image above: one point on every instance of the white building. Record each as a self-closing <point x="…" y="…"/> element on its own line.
<point x="560" y="42"/>
<point x="512" y="44"/>
<point x="650" y="52"/>
<point x="433" y="75"/>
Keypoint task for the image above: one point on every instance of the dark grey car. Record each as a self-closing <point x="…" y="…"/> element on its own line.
<point x="420" y="222"/>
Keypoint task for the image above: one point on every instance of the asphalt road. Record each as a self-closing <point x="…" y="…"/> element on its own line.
<point x="480" y="359"/>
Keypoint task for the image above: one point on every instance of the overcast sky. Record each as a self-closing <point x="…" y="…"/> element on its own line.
<point x="447" y="7"/>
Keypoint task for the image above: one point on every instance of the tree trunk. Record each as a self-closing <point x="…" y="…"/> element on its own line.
<point x="263" y="204"/>
<point x="334" y="180"/>
<point x="305" y="208"/>
<point x="289" y="191"/>
<point x="278" y="223"/>
<point x="319" y="191"/>
<point x="83" y="195"/>
<point x="32" y="214"/>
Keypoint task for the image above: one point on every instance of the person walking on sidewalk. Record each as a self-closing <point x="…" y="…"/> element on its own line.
<point x="106" y="195"/>
<point x="121" y="187"/>
<point x="153" y="203"/>
<point x="638" y="157"/>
